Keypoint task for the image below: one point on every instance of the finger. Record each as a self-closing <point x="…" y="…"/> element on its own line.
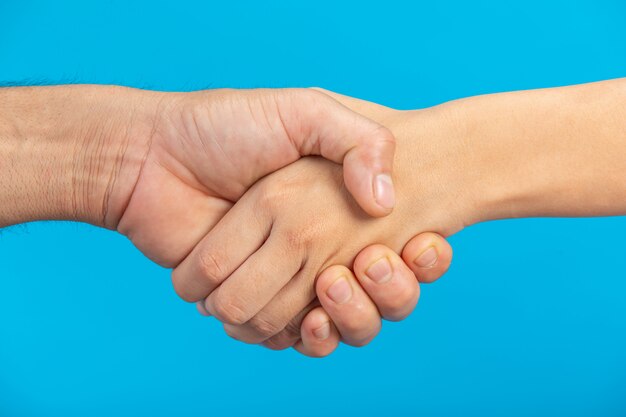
<point x="183" y="233"/>
<point x="291" y="334"/>
<point x="319" y="335"/>
<point x="352" y="311"/>
<point x="388" y="281"/>
<point x="254" y="284"/>
<point x="220" y="252"/>
<point x="319" y="125"/>
<point x="428" y="255"/>
<point x="202" y="310"/>
<point x="282" y="316"/>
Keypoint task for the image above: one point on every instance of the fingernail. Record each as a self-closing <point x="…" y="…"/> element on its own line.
<point x="383" y="191"/>
<point x="340" y="292"/>
<point x="427" y="259"/>
<point x="322" y="332"/>
<point x="380" y="271"/>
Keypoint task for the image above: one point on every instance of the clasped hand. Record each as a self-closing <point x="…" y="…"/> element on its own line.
<point x="304" y="252"/>
<point x="271" y="256"/>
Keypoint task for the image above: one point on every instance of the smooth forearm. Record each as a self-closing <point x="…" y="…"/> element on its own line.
<point x="64" y="151"/>
<point x="551" y="152"/>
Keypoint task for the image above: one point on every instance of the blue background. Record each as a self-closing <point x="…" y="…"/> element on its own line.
<point x="531" y="318"/>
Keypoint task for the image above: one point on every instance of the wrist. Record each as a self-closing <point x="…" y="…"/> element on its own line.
<point x="484" y="170"/>
<point x="70" y="152"/>
<point x="431" y="169"/>
<point x="526" y="155"/>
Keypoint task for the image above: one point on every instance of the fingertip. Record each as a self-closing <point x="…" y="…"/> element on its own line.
<point x="363" y="146"/>
<point x="384" y="191"/>
<point x="317" y="324"/>
<point x="347" y="304"/>
<point x="375" y="196"/>
<point x="369" y="255"/>
<point x="306" y="350"/>
<point x="368" y="172"/>
<point x="319" y="336"/>
<point x="429" y="256"/>
<point x="388" y="281"/>
<point x="329" y="276"/>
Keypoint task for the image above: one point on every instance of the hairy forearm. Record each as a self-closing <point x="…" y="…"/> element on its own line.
<point x="549" y="152"/>
<point x="63" y="151"/>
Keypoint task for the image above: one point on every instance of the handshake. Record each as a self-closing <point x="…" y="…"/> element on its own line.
<point x="300" y="217"/>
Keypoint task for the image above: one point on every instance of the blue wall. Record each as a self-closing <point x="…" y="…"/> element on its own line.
<point x="530" y="320"/>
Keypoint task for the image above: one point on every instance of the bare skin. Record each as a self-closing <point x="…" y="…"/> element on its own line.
<point x="391" y="296"/>
<point x="552" y="152"/>
<point x="163" y="168"/>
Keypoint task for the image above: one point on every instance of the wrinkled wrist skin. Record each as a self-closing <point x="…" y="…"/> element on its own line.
<point x="71" y="152"/>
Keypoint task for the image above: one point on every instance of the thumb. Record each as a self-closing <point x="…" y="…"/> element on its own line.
<point x="317" y="124"/>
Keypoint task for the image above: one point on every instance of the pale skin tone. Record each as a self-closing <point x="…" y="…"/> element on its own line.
<point x="163" y="168"/>
<point x="556" y="152"/>
<point x="551" y="152"/>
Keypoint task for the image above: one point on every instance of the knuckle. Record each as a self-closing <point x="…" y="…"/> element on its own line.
<point x="292" y="329"/>
<point x="183" y="288"/>
<point x="227" y="310"/>
<point x="277" y="344"/>
<point x="283" y="340"/>
<point x="301" y="238"/>
<point x="240" y="333"/>
<point x="233" y="332"/>
<point x="210" y="267"/>
<point x="263" y="327"/>
<point x="270" y="195"/>
<point x="293" y="239"/>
